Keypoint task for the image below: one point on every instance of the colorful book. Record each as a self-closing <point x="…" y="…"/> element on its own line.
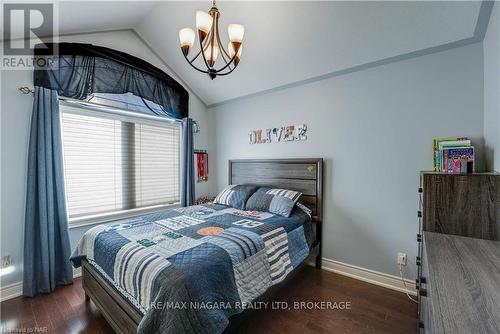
<point x="458" y="160"/>
<point x="448" y="144"/>
<point x="435" y="144"/>
<point x="450" y="141"/>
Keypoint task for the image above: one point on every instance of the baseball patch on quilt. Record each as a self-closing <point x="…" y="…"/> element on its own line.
<point x="277" y="201"/>
<point x="211" y="230"/>
<point x="235" y="195"/>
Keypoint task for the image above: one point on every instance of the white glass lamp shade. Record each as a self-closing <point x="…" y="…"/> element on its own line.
<point x="186" y="37"/>
<point x="203" y="22"/>
<point x="208" y="55"/>
<point x="231" y="50"/>
<point x="236" y="32"/>
<point x="231" y="53"/>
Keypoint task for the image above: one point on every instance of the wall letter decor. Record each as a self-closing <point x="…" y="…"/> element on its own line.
<point x="284" y="133"/>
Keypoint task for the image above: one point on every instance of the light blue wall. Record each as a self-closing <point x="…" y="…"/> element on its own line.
<point x="491" y="46"/>
<point x="15" y="123"/>
<point x="374" y="128"/>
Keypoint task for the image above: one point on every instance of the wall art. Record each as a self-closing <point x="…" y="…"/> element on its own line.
<point x="275" y="135"/>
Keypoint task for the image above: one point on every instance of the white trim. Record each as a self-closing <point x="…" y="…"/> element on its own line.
<point x="370" y="276"/>
<point x="97" y="109"/>
<point x="11" y="291"/>
<point x="117" y="215"/>
<point x="16" y="290"/>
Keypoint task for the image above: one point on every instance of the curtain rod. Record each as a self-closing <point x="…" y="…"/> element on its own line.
<point x="102" y="107"/>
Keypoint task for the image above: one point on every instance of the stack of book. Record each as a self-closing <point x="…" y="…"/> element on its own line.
<point x="453" y="155"/>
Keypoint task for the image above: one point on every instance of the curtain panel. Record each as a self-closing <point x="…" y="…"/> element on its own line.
<point x="187" y="163"/>
<point x="79" y="70"/>
<point x="46" y="239"/>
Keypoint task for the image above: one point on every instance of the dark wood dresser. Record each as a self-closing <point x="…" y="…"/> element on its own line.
<point x="459" y="253"/>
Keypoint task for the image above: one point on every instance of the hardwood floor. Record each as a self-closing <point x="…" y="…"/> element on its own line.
<point x="373" y="309"/>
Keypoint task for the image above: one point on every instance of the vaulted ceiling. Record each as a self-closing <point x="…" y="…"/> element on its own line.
<point x="285" y="42"/>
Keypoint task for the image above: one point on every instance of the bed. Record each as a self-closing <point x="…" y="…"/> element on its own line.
<point x="214" y="260"/>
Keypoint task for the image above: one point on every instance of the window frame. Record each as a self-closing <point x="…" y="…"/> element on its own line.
<point x="85" y="108"/>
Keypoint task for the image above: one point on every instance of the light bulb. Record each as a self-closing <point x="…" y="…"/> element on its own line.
<point x="203" y="23"/>
<point x="231" y="53"/>
<point x="236" y="32"/>
<point x="186" y="36"/>
<point x="208" y="55"/>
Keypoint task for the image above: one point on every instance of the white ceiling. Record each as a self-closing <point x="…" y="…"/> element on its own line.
<point x="284" y="42"/>
<point x="89" y="16"/>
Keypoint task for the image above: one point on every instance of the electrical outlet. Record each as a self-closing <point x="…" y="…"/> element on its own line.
<point x="402" y="259"/>
<point x="6" y="261"/>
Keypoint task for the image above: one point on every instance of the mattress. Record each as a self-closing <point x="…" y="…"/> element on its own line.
<point x="189" y="269"/>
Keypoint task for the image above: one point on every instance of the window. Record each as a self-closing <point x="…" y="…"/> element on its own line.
<point x="118" y="165"/>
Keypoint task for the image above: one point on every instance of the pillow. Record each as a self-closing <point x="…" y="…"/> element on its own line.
<point x="235" y="195"/>
<point x="278" y="201"/>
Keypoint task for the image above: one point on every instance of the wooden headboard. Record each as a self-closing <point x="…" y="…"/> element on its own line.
<point x="304" y="175"/>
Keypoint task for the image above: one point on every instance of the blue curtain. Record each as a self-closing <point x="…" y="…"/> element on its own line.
<point x="46" y="240"/>
<point x="187" y="163"/>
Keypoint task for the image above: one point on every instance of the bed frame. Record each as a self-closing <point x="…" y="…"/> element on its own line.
<point x="304" y="175"/>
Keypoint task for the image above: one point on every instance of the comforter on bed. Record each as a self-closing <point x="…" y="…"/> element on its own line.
<point x="190" y="269"/>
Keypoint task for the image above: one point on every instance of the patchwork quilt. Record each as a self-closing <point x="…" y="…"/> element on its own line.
<point x="189" y="269"/>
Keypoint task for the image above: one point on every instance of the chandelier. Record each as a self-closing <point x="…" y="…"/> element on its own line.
<point x="207" y="25"/>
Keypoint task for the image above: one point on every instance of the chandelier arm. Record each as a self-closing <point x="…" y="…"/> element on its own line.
<point x="222" y="74"/>
<point x="230" y="62"/>
<point x="215" y="20"/>
<point x="204" y="58"/>
<point x="212" y="49"/>
<point x="201" y="47"/>
<point x="196" y="56"/>
<point x="220" y="43"/>
<point x="196" y="68"/>
<point x="222" y="54"/>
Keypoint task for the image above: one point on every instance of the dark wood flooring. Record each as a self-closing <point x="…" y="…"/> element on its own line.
<point x="373" y="309"/>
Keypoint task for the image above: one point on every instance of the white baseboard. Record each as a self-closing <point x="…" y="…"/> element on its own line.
<point x="11" y="291"/>
<point x="370" y="276"/>
<point x="16" y="289"/>
<point x="366" y="275"/>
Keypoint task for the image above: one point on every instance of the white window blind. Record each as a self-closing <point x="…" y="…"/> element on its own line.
<point x="116" y="164"/>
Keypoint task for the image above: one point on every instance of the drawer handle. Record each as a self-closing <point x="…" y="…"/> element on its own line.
<point x="420" y="324"/>
<point x="419" y="237"/>
<point x="423" y="292"/>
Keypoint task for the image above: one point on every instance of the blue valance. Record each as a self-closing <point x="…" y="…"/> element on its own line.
<point x="80" y="70"/>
